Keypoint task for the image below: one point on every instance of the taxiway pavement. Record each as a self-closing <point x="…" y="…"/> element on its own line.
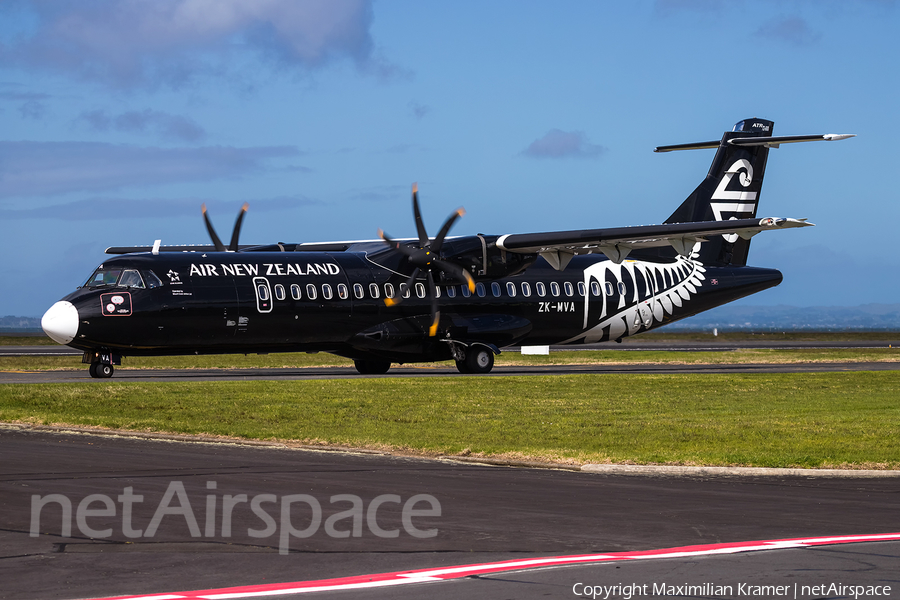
<point x="486" y="514"/>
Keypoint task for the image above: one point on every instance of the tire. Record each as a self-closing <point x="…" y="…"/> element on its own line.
<point x="372" y="366"/>
<point x="462" y="367"/>
<point x="104" y="371"/>
<point x="93" y="370"/>
<point x="479" y="359"/>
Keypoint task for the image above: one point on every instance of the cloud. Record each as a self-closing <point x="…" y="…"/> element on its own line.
<point x="563" y="144"/>
<point x="46" y="168"/>
<point x="32" y="104"/>
<point x="86" y="209"/>
<point x="791" y="30"/>
<point x="418" y="110"/>
<point x="162" y="124"/>
<point x="146" y="43"/>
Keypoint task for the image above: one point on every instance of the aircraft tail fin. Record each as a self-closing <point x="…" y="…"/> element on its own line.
<point x="732" y="186"/>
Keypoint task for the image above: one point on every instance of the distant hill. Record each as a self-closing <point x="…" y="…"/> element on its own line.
<point x="725" y="318"/>
<point x="795" y="318"/>
<point x="10" y="323"/>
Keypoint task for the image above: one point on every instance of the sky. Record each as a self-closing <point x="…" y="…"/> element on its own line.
<point x="118" y="119"/>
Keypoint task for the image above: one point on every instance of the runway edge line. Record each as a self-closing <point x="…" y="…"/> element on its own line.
<point x="458" y="572"/>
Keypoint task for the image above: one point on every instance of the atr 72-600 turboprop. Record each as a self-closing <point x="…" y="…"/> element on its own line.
<point x="432" y="299"/>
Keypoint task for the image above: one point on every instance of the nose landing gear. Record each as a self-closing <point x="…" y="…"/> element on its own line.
<point x="101" y="371"/>
<point x="101" y="363"/>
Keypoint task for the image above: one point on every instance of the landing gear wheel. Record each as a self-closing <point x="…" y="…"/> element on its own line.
<point x="372" y="366"/>
<point x="479" y="359"/>
<point x="101" y="371"/>
<point x="462" y="367"/>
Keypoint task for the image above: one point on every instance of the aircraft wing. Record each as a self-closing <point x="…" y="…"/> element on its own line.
<point x="560" y="246"/>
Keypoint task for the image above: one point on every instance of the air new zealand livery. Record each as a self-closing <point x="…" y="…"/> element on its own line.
<point x="431" y="299"/>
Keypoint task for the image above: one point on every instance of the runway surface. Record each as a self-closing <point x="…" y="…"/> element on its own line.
<point x="628" y="344"/>
<point x="152" y="520"/>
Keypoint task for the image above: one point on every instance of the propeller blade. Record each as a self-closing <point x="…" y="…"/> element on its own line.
<point x="435" y="312"/>
<point x="220" y="247"/>
<point x="405" y="250"/>
<point x="439" y="240"/>
<point x="399" y="297"/>
<point x="420" y="225"/>
<point x="457" y="271"/>
<point x="233" y="246"/>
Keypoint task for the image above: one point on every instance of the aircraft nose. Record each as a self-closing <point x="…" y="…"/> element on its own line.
<point x="60" y="322"/>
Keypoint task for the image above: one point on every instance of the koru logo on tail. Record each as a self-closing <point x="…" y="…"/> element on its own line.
<point x="738" y="201"/>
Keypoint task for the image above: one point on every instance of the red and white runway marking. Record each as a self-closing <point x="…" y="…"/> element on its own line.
<point x="456" y="572"/>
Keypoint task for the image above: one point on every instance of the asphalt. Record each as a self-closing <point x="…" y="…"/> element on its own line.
<point x="487" y="513"/>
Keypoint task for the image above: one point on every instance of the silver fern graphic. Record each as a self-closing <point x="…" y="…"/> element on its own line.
<point x="667" y="286"/>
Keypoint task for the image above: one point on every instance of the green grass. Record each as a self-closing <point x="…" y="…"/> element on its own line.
<point x="611" y="357"/>
<point x="777" y="420"/>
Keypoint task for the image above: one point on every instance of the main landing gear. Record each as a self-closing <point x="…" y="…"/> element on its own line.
<point x="477" y="360"/>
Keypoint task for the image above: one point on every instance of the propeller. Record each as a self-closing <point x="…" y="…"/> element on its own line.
<point x="426" y="257"/>
<point x="220" y="247"/>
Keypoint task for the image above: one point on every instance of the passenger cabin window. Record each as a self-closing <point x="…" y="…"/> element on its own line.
<point x="511" y="289"/>
<point x="437" y="291"/>
<point x="262" y="292"/>
<point x="359" y="291"/>
<point x="526" y="289"/>
<point x="327" y="294"/>
<point x="373" y="290"/>
<point x="388" y="290"/>
<point x="404" y="290"/>
<point x="132" y="279"/>
<point x="420" y="290"/>
<point x="311" y="291"/>
<point x="582" y="291"/>
<point x="343" y="292"/>
<point x="595" y="289"/>
<point x="609" y="288"/>
<point x="554" y="288"/>
<point x="479" y="289"/>
<point x="465" y="290"/>
<point x="569" y="289"/>
<point x="152" y="280"/>
<point x="451" y="291"/>
<point x="495" y="289"/>
<point x="540" y="288"/>
<point x="279" y="292"/>
<point x="621" y="288"/>
<point x="295" y="291"/>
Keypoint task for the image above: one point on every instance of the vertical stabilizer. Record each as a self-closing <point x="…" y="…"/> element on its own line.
<point x="730" y="191"/>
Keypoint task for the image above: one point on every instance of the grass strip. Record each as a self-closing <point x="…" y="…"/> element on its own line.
<point x="582" y="357"/>
<point x="828" y="420"/>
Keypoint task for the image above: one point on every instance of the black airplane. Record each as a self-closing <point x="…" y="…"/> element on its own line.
<point x="432" y="299"/>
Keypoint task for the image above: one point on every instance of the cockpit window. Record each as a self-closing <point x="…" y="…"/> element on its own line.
<point x="131" y="278"/>
<point x="103" y="276"/>
<point x="152" y="280"/>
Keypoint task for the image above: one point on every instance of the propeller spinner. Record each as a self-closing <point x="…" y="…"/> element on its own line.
<point x="426" y="257"/>
<point x="233" y="246"/>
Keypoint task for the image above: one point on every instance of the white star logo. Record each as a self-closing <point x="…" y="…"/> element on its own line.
<point x="173" y="276"/>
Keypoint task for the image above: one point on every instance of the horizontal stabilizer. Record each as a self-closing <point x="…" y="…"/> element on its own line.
<point x="768" y="142"/>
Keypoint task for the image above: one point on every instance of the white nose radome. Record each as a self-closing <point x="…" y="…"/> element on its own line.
<point x="60" y="322"/>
